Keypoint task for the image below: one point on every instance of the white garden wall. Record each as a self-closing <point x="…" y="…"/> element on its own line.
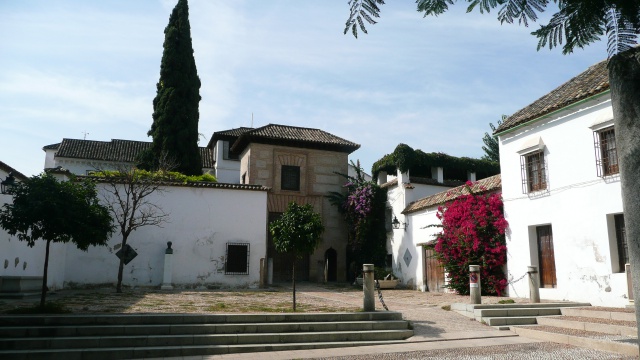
<point x="201" y="222"/>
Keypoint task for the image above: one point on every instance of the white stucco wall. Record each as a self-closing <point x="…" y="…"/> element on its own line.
<point x="18" y="259"/>
<point x="201" y="222"/>
<point x="227" y="171"/>
<point x="576" y="206"/>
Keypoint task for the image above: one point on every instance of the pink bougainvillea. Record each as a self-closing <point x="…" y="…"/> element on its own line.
<point x="473" y="233"/>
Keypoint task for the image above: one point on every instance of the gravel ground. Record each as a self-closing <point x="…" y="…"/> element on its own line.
<point x="596" y="320"/>
<point x="611" y="309"/>
<point x="550" y="351"/>
<point x="583" y="333"/>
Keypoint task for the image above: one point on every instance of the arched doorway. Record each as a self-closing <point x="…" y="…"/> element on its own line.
<point x="331" y="264"/>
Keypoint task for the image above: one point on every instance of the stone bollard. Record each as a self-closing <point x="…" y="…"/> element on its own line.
<point x="534" y="287"/>
<point x="474" y="284"/>
<point x="368" y="288"/>
<point x="166" y="276"/>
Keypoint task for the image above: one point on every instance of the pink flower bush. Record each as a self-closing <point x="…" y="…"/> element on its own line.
<point x="473" y="233"/>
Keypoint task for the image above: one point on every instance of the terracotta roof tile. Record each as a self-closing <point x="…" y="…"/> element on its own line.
<point x="295" y="137"/>
<point x="230" y="135"/>
<point x="203" y="184"/>
<point x="492" y="183"/>
<point x="593" y="81"/>
<point x="114" y="150"/>
<point x="8" y="169"/>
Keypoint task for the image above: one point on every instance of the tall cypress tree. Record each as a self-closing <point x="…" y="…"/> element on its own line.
<point x="175" y="107"/>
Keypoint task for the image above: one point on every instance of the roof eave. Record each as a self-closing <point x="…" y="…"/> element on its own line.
<point x="550" y="114"/>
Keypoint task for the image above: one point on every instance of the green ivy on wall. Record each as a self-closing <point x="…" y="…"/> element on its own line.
<point x="420" y="163"/>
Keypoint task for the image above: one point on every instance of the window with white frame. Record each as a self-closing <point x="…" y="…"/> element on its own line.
<point x="534" y="172"/>
<point x="237" y="259"/>
<point x="606" y="152"/>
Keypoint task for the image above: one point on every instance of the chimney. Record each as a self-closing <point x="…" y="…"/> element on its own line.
<point x="382" y="177"/>
<point x="437" y="173"/>
<point x="471" y="176"/>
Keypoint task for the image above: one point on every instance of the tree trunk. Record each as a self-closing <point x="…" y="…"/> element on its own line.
<point x="293" y="279"/>
<point x="624" y="79"/>
<point x="121" y="267"/>
<point x="43" y="293"/>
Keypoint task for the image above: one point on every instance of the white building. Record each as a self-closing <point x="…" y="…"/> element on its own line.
<point x="424" y="272"/>
<point x="226" y="163"/>
<point x="562" y="194"/>
<point x="409" y="218"/>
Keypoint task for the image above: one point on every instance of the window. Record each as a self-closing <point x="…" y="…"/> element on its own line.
<point x="621" y="242"/>
<point x="290" y="178"/>
<point x="606" y="152"/>
<point x="226" y="152"/>
<point x="237" y="259"/>
<point x="534" y="174"/>
<point x="546" y="257"/>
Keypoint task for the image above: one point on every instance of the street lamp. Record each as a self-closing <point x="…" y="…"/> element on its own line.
<point x="397" y="223"/>
<point x="7" y="184"/>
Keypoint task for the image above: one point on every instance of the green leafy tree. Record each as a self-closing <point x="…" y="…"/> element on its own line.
<point x="44" y="208"/>
<point x="576" y="24"/>
<point x="298" y="233"/>
<point x="175" y="107"/>
<point x="491" y="146"/>
<point x="127" y="194"/>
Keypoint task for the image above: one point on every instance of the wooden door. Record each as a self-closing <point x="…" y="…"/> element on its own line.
<point x="435" y="272"/>
<point x="546" y="257"/>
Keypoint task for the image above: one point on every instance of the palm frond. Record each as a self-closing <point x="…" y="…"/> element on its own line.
<point x="522" y="10"/>
<point x="433" y="7"/>
<point x="622" y="35"/>
<point x="577" y="23"/>
<point x="484" y="5"/>
<point x="362" y="9"/>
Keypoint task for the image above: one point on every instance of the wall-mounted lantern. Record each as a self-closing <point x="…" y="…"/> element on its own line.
<point x="7" y="184"/>
<point x="397" y="224"/>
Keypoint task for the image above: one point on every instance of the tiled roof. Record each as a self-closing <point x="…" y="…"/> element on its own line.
<point x="487" y="184"/>
<point x="203" y="184"/>
<point x="295" y="137"/>
<point x="8" y="169"/>
<point x="51" y="147"/>
<point x="230" y="135"/>
<point x="423" y="181"/>
<point x="593" y="81"/>
<point x="114" y="150"/>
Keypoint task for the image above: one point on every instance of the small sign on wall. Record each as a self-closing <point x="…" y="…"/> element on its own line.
<point x="126" y="254"/>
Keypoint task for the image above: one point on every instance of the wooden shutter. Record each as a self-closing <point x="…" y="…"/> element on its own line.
<point x="546" y="257"/>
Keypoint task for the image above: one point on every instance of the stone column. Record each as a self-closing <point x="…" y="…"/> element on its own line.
<point x="368" y="288"/>
<point x="474" y="284"/>
<point x="166" y="278"/>
<point x="534" y="286"/>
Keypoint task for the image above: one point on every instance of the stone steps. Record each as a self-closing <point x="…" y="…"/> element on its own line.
<point x="135" y="336"/>
<point x="504" y="315"/>
<point x="588" y="328"/>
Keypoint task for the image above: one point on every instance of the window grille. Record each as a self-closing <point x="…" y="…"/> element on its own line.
<point x="237" y="259"/>
<point x="606" y="152"/>
<point x="621" y="240"/>
<point x="534" y="174"/>
<point x="290" y="178"/>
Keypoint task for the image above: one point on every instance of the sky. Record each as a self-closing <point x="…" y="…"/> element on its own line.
<point x="88" y="69"/>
